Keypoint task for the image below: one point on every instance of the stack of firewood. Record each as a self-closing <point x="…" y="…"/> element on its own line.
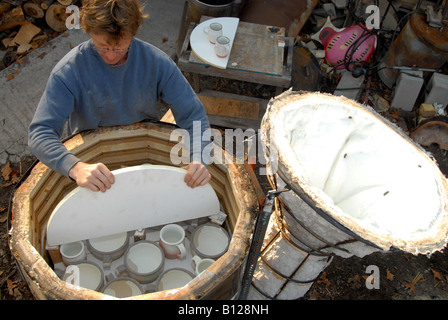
<point x="25" y="25"/>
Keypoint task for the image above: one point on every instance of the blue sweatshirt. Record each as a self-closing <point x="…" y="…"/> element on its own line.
<point x="88" y="93"/>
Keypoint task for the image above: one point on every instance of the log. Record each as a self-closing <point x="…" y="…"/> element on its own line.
<point x="67" y="2"/>
<point x="33" y="10"/>
<point x="4" y="7"/>
<point x="12" y="19"/>
<point x="46" y="4"/>
<point x="56" y="17"/>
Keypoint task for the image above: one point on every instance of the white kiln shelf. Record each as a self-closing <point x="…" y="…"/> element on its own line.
<point x="141" y="197"/>
<point x="204" y="49"/>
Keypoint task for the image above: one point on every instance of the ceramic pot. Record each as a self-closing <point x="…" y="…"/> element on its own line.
<point x="123" y="287"/>
<point x="73" y="252"/>
<point x="209" y="241"/>
<point x="85" y="274"/>
<point x="109" y="248"/>
<point x="144" y="261"/>
<point x="174" y="278"/>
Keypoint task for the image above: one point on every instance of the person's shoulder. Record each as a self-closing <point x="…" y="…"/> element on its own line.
<point x="70" y="60"/>
<point x="149" y="48"/>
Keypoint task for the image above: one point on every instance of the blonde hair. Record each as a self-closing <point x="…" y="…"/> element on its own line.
<point x="115" y="19"/>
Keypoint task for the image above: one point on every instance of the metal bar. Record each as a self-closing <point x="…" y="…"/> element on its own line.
<point x="257" y="242"/>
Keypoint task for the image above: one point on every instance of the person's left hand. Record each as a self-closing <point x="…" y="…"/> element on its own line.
<point x="197" y="175"/>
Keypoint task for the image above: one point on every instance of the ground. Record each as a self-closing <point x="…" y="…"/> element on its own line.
<point x="403" y="276"/>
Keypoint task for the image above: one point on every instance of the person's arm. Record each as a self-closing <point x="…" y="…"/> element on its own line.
<point x="96" y="177"/>
<point x="187" y="110"/>
<point x="44" y="136"/>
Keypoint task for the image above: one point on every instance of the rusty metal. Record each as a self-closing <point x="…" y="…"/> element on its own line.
<point x="291" y="15"/>
<point x="418" y="45"/>
<point x="433" y="132"/>
<point x="306" y="74"/>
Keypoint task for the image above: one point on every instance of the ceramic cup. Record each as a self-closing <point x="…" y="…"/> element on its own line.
<point x="209" y="241"/>
<point x="144" y="261"/>
<point x="73" y="252"/>
<point x="199" y="265"/>
<point x="171" y="240"/>
<point x="109" y="247"/>
<point x="222" y="47"/>
<point x="84" y="274"/>
<point x="123" y="287"/>
<point x="214" y="30"/>
<point x="174" y="278"/>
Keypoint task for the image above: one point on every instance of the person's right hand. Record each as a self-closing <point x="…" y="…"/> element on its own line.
<point x="96" y="177"/>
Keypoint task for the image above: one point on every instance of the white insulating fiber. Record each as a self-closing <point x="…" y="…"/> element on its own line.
<point x="365" y="171"/>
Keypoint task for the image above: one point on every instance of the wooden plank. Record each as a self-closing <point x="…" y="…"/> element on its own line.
<point x="230" y="107"/>
<point x="229" y="110"/>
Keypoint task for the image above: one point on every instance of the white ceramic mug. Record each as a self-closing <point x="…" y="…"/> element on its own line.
<point x="73" y="252"/>
<point x="214" y="30"/>
<point x="199" y="264"/>
<point x="209" y="241"/>
<point x="222" y="47"/>
<point x="144" y="261"/>
<point x="84" y="274"/>
<point x="171" y="241"/>
<point x="174" y="278"/>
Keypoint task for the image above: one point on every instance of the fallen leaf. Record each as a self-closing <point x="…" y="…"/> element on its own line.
<point x="411" y="285"/>
<point x="323" y="279"/>
<point x="437" y="274"/>
<point x="11" y="284"/>
<point x="9" y="77"/>
<point x="355" y="281"/>
<point x="6" y="171"/>
<point x="389" y="275"/>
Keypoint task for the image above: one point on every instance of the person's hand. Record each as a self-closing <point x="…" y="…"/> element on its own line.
<point x="96" y="177"/>
<point x="197" y="175"/>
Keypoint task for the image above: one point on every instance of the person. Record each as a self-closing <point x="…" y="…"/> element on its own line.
<point x="111" y="79"/>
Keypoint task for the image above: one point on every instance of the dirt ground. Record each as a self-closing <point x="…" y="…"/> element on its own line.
<point x="403" y="276"/>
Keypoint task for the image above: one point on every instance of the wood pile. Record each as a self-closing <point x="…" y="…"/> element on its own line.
<point x="26" y="25"/>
